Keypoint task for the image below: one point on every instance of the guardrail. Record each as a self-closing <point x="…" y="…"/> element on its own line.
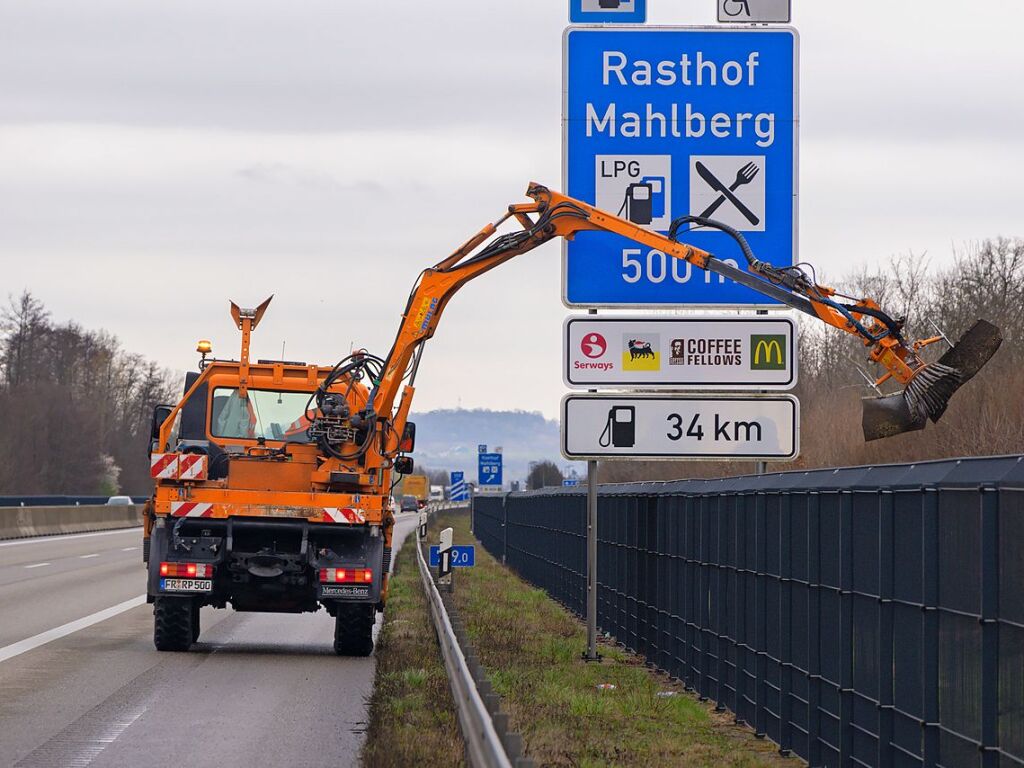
<point x="859" y="616"/>
<point x="59" y="501"/>
<point x="20" y="522"/>
<point x="484" y="747"/>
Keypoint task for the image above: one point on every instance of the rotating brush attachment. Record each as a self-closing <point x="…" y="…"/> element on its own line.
<point x="930" y="389"/>
<point x="928" y="392"/>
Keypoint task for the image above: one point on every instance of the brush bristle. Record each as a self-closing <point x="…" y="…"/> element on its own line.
<point x="930" y="389"/>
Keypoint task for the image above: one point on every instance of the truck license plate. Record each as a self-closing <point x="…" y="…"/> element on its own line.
<point x="186" y="585"/>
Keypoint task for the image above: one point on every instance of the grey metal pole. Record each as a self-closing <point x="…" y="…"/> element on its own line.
<point x="761" y="467"/>
<point x="592" y="654"/>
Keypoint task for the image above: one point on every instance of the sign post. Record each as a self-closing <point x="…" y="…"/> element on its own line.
<point x="660" y="123"/>
<point x="489" y="471"/>
<point x="458" y="490"/>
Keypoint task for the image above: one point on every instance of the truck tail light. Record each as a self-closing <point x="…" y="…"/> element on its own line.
<point x="187" y="570"/>
<point x="347" y="575"/>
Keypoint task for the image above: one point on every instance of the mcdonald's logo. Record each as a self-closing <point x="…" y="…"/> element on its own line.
<point x="767" y="352"/>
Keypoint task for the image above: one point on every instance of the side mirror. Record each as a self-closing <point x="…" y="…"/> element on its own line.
<point x="403" y="465"/>
<point x="408" y="441"/>
<point x="160" y="414"/>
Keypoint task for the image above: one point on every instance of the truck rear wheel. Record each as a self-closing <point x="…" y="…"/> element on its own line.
<point x="173" y="623"/>
<point x="353" y="630"/>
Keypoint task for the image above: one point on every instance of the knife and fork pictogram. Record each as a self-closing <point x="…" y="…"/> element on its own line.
<point x="744" y="175"/>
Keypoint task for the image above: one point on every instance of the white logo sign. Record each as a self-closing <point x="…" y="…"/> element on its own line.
<point x="679" y="353"/>
<point x="729" y="189"/>
<point x="746" y="11"/>
<point x="672" y="427"/>
<point x="636" y="187"/>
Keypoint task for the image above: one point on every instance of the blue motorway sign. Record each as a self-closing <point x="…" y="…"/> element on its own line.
<point x="457" y="489"/>
<point x="614" y="11"/>
<point x="660" y="122"/>
<point x="463" y="556"/>
<point x="570" y="482"/>
<point x="489" y="469"/>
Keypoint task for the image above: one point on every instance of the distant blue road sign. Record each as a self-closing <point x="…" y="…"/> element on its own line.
<point x="481" y="448"/>
<point x="570" y="482"/>
<point x="614" y="11"/>
<point x="458" y="491"/>
<point x="489" y="469"/>
<point x="463" y="556"/>
<point x="660" y="122"/>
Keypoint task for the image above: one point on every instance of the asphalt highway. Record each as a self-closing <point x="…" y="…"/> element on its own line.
<point x="82" y="685"/>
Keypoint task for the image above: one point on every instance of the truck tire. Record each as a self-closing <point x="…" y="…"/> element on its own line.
<point x="353" y="630"/>
<point x="172" y="623"/>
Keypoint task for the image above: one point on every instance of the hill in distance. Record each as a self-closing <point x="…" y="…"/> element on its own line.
<point x="448" y="439"/>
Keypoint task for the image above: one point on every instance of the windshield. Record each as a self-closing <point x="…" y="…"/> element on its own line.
<point x="266" y="414"/>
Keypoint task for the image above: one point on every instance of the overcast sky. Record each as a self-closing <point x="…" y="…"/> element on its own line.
<point x="159" y="158"/>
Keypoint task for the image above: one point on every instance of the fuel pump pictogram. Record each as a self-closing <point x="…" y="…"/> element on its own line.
<point x="638" y="187"/>
<point x="644" y="200"/>
<point x="620" y="429"/>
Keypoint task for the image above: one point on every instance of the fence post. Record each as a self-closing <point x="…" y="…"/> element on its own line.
<point x="760" y="616"/>
<point x="930" y="638"/>
<point x="989" y="627"/>
<point x="786" y="623"/>
<point x="845" y="628"/>
<point x="886" y="640"/>
<point x="504" y="527"/>
<point x="814" y="629"/>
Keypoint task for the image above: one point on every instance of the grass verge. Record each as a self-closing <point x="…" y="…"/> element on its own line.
<point x="531" y="647"/>
<point x="412" y="717"/>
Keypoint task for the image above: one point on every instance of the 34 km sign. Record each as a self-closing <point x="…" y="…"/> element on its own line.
<point x="765" y="427"/>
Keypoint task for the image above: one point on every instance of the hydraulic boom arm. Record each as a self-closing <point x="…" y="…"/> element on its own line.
<point x="551" y="215"/>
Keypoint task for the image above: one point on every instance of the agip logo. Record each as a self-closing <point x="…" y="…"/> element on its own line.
<point x="641" y="352"/>
<point x="767" y="352"/>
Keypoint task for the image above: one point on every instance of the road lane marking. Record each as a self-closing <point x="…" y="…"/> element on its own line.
<point x="28" y="644"/>
<point x="86" y="557"/>
<point x="128" y="549"/>
<point x="36" y="565"/>
<point x="66" y="536"/>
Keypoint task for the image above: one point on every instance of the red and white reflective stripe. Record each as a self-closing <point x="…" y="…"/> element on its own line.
<point x="163" y="466"/>
<point x="191" y="509"/>
<point x="344" y="515"/>
<point x="192" y="466"/>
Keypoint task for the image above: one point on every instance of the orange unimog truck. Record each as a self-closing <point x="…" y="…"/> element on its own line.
<point x="272" y="477"/>
<point x="270" y="485"/>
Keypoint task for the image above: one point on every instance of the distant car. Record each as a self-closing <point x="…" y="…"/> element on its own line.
<point x="120" y="501"/>
<point x="410" y="504"/>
